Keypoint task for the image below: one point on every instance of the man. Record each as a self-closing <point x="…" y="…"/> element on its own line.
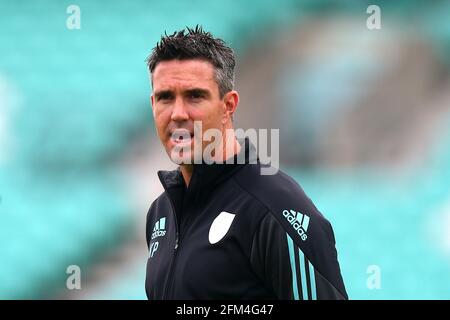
<point x="221" y="229"/>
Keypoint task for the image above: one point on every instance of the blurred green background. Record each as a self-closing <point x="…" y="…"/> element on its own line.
<point x="364" y="119"/>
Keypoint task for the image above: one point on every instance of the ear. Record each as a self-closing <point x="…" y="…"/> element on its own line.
<point x="152" y="102"/>
<point x="231" y="100"/>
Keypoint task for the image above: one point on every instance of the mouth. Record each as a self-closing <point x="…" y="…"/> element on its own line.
<point x="181" y="136"/>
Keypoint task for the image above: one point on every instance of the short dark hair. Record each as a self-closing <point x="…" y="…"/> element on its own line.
<point x="197" y="44"/>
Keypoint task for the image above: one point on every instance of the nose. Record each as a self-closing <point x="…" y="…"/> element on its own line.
<point x="179" y="112"/>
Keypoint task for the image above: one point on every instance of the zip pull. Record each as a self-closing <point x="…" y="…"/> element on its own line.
<point x="176" y="242"/>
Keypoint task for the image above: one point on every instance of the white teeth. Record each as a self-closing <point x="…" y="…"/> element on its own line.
<point x="181" y="139"/>
<point x="181" y="136"/>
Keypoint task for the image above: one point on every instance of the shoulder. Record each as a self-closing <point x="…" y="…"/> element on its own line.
<point x="277" y="192"/>
<point x="161" y="201"/>
<point x="292" y="217"/>
<point x="288" y="205"/>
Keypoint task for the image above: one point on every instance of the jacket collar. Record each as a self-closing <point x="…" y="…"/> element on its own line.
<point x="207" y="176"/>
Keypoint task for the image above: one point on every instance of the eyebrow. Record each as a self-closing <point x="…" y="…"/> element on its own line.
<point x="200" y="91"/>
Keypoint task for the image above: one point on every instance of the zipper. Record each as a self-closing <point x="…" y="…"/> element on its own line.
<point x="172" y="266"/>
<point x="172" y="261"/>
<point x="175" y="249"/>
<point x="178" y="239"/>
<point x="170" y="280"/>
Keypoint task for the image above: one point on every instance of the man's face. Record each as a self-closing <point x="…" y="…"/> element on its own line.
<point x="185" y="91"/>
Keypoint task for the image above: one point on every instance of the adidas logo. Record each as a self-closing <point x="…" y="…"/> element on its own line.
<point x="159" y="228"/>
<point x="298" y="221"/>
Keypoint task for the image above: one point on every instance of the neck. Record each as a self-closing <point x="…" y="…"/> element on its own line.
<point x="231" y="147"/>
<point x="186" y="172"/>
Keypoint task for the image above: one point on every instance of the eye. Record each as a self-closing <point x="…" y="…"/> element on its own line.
<point x="196" y="95"/>
<point x="164" y="96"/>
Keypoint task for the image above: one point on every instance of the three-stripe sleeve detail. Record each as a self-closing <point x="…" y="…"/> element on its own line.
<point x="303" y="273"/>
<point x="294" y="272"/>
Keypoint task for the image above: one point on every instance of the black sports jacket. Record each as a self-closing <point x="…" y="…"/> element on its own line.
<point x="237" y="234"/>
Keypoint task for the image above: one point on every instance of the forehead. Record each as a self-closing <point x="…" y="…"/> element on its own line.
<point x="184" y="73"/>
